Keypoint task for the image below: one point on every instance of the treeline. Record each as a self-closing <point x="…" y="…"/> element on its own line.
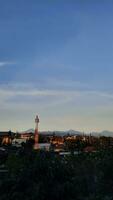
<point x="46" y="176"/>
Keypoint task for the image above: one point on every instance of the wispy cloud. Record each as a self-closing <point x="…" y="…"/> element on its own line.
<point x="4" y="63"/>
<point x="23" y="91"/>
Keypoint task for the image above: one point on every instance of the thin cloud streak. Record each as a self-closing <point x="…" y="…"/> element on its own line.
<point x="8" y="91"/>
<point x="2" y="64"/>
<point x="47" y="92"/>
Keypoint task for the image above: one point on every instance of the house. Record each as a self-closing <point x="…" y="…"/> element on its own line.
<point x="6" y="137"/>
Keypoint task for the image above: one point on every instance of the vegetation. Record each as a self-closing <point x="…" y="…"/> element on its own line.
<point x="47" y="176"/>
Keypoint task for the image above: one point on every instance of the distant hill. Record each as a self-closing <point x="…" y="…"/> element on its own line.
<point x="103" y="133"/>
<point x="62" y="133"/>
<point x="71" y="132"/>
<point x="28" y="131"/>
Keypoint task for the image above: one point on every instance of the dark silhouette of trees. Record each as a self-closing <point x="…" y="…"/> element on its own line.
<point x="46" y="176"/>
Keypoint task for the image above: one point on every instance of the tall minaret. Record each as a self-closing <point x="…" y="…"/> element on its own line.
<point x="36" y="146"/>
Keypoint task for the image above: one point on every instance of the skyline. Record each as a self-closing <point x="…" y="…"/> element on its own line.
<point x="56" y="61"/>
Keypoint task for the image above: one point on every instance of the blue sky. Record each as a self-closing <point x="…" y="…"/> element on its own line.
<point x="56" y="59"/>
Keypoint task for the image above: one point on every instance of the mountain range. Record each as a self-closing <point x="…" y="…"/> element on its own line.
<point x="73" y="132"/>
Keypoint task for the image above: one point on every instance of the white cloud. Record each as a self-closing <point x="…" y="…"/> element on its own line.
<point x="2" y="64"/>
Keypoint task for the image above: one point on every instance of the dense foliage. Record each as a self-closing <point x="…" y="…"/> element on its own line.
<point x="46" y="176"/>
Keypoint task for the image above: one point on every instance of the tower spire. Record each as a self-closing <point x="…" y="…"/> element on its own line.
<point x="36" y="137"/>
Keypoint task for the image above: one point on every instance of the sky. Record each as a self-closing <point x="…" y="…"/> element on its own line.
<point x="56" y="60"/>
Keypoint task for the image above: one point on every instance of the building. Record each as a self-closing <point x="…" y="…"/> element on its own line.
<point x="18" y="142"/>
<point x="36" y="135"/>
<point x="6" y="137"/>
<point x="44" y="146"/>
<point x="26" y="135"/>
